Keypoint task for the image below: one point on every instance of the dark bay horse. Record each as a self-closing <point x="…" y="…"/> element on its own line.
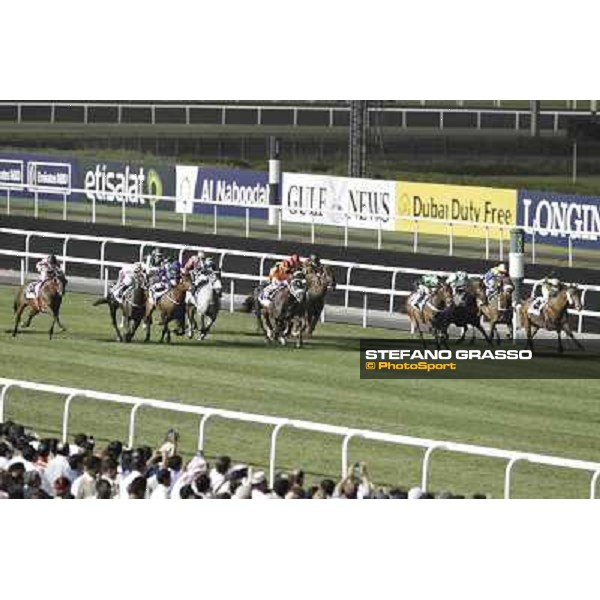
<point x="48" y="299"/>
<point x="133" y="308"/>
<point x="553" y="317"/>
<point x="171" y="306"/>
<point x="497" y="309"/>
<point x="430" y="316"/>
<point x="318" y="283"/>
<point x="464" y="311"/>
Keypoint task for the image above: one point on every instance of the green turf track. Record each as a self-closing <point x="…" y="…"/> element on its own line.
<point x="234" y="370"/>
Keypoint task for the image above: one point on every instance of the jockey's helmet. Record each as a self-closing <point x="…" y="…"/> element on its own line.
<point x="209" y="263"/>
<point x="501" y="268"/>
<point x="52" y="260"/>
<point x="314" y="258"/>
<point x="157" y="253"/>
<point x="200" y="255"/>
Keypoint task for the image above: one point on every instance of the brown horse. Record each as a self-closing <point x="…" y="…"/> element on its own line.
<point x="171" y="306"/>
<point x="318" y="283"/>
<point x="48" y="299"/>
<point x="553" y="317"/>
<point x="430" y="315"/>
<point x="497" y="309"/>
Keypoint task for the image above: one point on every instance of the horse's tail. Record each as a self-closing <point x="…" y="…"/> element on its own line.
<point x="101" y="301"/>
<point x="249" y="304"/>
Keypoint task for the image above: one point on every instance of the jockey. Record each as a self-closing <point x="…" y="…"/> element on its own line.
<point x="295" y="262"/>
<point x="493" y="278"/>
<point x="154" y="261"/>
<point x="167" y="277"/>
<point x="457" y="281"/>
<point x="550" y="287"/>
<point x="194" y="263"/>
<point x="201" y="273"/>
<point x="313" y="264"/>
<point x="425" y="286"/>
<point x="278" y="277"/>
<point x="127" y="275"/>
<point x="47" y="267"/>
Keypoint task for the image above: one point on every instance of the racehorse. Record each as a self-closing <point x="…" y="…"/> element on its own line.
<point x="204" y="299"/>
<point x="318" y="283"/>
<point x="497" y="309"/>
<point x="49" y="298"/>
<point x="133" y="308"/>
<point x="286" y="313"/>
<point x="553" y="317"/>
<point x="430" y="315"/>
<point x="171" y="306"/>
<point x="463" y="311"/>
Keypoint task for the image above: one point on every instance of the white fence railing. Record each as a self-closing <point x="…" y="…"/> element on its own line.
<point x="278" y="423"/>
<point x="489" y="231"/>
<point x="143" y="245"/>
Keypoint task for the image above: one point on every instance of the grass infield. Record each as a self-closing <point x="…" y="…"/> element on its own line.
<point x="234" y="369"/>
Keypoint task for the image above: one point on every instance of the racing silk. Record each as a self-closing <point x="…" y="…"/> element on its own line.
<point x="193" y="263"/>
<point x="278" y="273"/>
<point x="151" y="264"/>
<point x="45" y="269"/>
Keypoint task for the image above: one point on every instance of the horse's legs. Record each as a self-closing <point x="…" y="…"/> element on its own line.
<point x="567" y="329"/>
<point x="32" y="313"/>
<point x="113" y="318"/>
<point x="192" y="324"/>
<point x="18" y="318"/>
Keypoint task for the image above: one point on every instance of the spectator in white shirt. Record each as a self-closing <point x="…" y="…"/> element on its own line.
<point x="84" y="486"/>
<point x="161" y="491"/>
<point x="138" y="469"/>
<point x="57" y="467"/>
<point x="259" y="486"/>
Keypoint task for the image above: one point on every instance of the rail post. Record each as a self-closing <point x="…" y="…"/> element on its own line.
<point x="507" y="474"/>
<point x="22" y="271"/>
<point x="153" y="205"/>
<point x="392" y="290"/>
<point x="487" y="242"/>
<point x="123" y="216"/>
<point x="202" y="430"/>
<point x="247" y="222"/>
<point x="425" y="465"/>
<point x="65" y="423"/>
<point x="416" y="236"/>
<point x="231" y="294"/>
<point x="183" y="221"/>
<point x="64" y="206"/>
<point x="102" y="254"/>
<point x="312" y="228"/>
<point x="533" y="242"/>
<point x="347" y="294"/>
<point x="35" y="204"/>
<point x="8" y="201"/>
<point x="27" y="239"/>
<point x="93" y="208"/>
<point x="3" y="400"/>
<point x="378" y="234"/>
<point x="273" y="451"/>
<point x="570" y="249"/>
<point x="106" y="283"/>
<point x="345" y="443"/>
<point x="132" y="415"/>
<point x="64" y="254"/>
<point x="451" y="240"/>
<point x="215" y="219"/>
<point x="501" y="253"/>
<point x="279" y="220"/>
<point x="346" y="231"/>
<point x="365" y="311"/>
<point x="580" y="316"/>
<point x="592" y="483"/>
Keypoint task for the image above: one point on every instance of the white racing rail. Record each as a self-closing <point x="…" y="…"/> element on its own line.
<point x="488" y="230"/>
<point x="391" y="292"/>
<point x="278" y="423"/>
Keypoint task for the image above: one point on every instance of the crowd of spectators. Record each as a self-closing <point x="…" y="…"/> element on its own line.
<point x="43" y="468"/>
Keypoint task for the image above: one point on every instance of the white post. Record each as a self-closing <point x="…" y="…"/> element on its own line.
<point x="8" y="201"/>
<point x="3" y="400"/>
<point x="323" y="314"/>
<point x="364" y="320"/>
<point x="273" y="451"/>
<point x="183" y="221"/>
<point x="416" y="237"/>
<point x="35" y="204"/>
<point x="154" y="215"/>
<point x="22" y="271"/>
<point x="507" y="474"/>
<point x="64" y="206"/>
<point x="346" y="232"/>
<point x="231" y="294"/>
<point x="515" y="323"/>
<point x="215" y="218"/>
<point x="202" y="430"/>
<point x="451" y="241"/>
<point x="279" y="220"/>
<point x="123" y="210"/>
<point x="312" y="228"/>
<point x="132" y="423"/>
<point x="65" y="423"/>
<point x="93" y="208"/>
<point x="533" y="243"/>
<point x="106" y="283"/>
<point x="487" y="242"/>
<point x="247" y="222"/>
<point x="570" y="249"/>
<point x="378" y="234"/>
<point x="501" y="244"/>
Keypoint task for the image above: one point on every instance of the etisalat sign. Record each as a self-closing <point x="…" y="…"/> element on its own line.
<point x="109" y="182"/>
<point x="407" y="359"/>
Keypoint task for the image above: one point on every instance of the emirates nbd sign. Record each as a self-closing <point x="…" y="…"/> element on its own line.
<point x="556" y="217"/>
